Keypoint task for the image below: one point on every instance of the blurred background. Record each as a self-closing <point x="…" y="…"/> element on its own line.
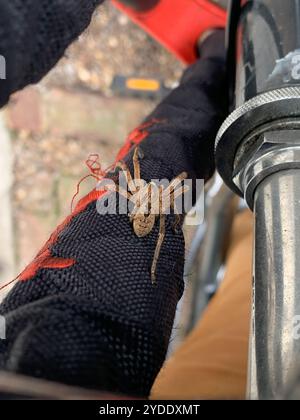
<point x="48" y="131"/>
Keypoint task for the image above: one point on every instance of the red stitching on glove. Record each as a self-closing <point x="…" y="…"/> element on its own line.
<point x="136" y="137"/>
<point x="44" y="259"/>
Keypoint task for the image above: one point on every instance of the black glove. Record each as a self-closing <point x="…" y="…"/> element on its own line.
<point x="34" y="35"/>
<point x="85" y="312"/>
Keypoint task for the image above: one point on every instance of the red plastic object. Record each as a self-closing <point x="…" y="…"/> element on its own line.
<point x="178" y="24"/>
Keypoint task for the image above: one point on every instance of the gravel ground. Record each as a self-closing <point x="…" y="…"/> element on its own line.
<point x="73" y="113"/>
<point x="113" y="45"/>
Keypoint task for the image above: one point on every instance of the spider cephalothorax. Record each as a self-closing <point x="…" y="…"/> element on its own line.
<point x="149" y="202"/>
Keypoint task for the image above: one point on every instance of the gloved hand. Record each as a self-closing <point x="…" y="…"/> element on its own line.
<point x="85" y="312"/>
<point x="34" y="35"/>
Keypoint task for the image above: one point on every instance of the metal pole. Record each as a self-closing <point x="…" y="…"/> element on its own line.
<point x="211" y="252"/>
<point x="275" y="351"/>
<point x="261" y="142"/>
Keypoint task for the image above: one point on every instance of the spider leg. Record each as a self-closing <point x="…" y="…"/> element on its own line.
<point x="170" y="193"/>
<point x="139" y="184"/>
<point x="141" y="201"/>
<point x="168" y="198"/>
<point x="130" y="182"/>
<point x="176" y="181"/>
<point x="136" y="164"/>
<point x="177" y="222"/>
<point x="180" y="191"/>
<point x="178" y="216"/>
<point x="161" y="237"/>
<point x="116" y="188"/>
<point x="153" y="198"/>
<point x="121" y="165"/>
<point x="176" y="212"/>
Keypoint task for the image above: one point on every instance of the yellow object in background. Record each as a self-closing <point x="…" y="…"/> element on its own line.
<point x="139" y="87"/>
<point x="143" y="84"/>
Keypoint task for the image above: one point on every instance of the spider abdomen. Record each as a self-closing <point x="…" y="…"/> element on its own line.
<point x="143" y="224"/>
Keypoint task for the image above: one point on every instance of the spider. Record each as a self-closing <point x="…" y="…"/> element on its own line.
<point x="150" y="202"/>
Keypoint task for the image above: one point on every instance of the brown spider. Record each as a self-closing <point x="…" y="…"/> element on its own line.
<point x="149" y="202"/>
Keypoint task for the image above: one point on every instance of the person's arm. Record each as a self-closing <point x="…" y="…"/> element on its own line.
<point x="85" y="312"/>
<point x="34" y="35"/>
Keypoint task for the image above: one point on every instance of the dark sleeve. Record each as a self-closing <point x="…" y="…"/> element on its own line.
<point x="85" y="312"/>
<point x="34" y="35"/>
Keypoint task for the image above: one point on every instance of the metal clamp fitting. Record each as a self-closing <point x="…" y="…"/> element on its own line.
<point x="276" y="151"/>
